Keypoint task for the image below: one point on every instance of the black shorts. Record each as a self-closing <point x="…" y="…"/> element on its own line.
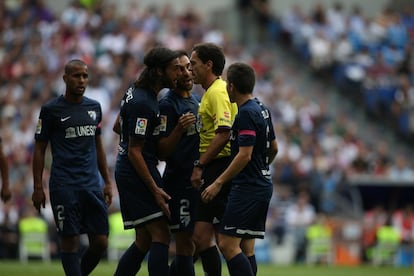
<point x="212" y="211"/>
<point x="183" y="206"/>
<point x="79" y="211"/>
<point x="138" y="205"/>
<point x="244" y="217"/>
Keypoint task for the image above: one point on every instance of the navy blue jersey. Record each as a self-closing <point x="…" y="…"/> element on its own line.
<point x="140" y="118"/>
<point x="180" y="164"/>
<point x="71" y="130"/>
<point x="253" y="127"/>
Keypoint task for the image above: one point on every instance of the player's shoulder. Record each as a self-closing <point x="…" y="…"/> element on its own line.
<point x="90" y="101"/>
<point x="168" y="97"/>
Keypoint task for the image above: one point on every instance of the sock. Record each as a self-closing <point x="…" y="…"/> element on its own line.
<point x="253" y="263"/>
<point x="89" y="261"/>
<point x="184" y="265"/>
<point x="70" y="263"/>
<point x="173" y="270"/>
<point x="130" y="261"/>
<point x="158" y="259"/>
<point x="239" y="265"/>
<point x="210" y="258"/>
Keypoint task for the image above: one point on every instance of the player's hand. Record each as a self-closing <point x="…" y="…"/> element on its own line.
<point x="186" y="120"/>
<point x="39" y="199"/>
<point x="5" y="193"/>
<point x="162" y="198"/>
<point x="210" y="192"/>
<point x="196" y="180"/>
<point x="107" y="193"/>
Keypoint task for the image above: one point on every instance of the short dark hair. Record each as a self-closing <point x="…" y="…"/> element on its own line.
<point x="72" y="63"/>
<point x="210" y="51"/>
<point x="242" y="76"/>
<point x="181" y="53"/>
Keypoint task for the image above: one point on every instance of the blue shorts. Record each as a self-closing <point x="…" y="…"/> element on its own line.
<point x="244" y="217"/>
<point x="79" y="211"/>
<point x="183" y="206"/>
<point x="213" y="210"/>
<point x="137" y="203"/>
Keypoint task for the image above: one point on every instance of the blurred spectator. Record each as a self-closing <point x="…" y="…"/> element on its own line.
<point x="401" y="169"/>
<point x="277" y="223"/>
<point x="299" y="216"/>
<point x="372" y="220"/>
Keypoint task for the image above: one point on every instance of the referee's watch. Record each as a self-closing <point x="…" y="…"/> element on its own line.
<point x="198" y="164"/>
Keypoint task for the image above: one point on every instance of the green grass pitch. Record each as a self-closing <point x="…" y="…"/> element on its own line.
<point x="34" y="268"/>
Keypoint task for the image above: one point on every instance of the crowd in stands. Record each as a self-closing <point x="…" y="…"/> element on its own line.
<point x="317" y="150"/>
<point x="369" y="59"/>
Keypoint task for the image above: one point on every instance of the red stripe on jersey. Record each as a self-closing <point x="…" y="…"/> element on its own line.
<point x="247" y="132"/>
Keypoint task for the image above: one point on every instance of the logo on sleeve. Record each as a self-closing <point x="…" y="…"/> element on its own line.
<point x="141" y="126"/>
<point x="39" y="126"/>
<point x="163" y="125"/>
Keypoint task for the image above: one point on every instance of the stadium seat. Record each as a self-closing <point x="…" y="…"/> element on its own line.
<point x="34" y="239"/>
<point x="119" y="238"/>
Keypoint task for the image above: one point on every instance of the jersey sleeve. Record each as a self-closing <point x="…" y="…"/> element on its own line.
<point x="139" y="120"/>
<point x="221" y="110"/>
<point x="169" y="118"/>
<point x="247" y="129"/>
<point x="44" y="123"/>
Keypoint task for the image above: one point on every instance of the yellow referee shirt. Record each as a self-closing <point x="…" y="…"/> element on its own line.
<point x="215" y="110"/>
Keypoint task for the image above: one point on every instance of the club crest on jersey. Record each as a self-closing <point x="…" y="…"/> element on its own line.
<point x="92" y="114"/>
<point x="141" y="126"/>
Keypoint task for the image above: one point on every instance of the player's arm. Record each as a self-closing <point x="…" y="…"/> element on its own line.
<point x="272" y="151"/>
<point x="137" y="160"/>
<point x="103" y="169"/>
<point x="168" y="144"/>
<point x="117" y="126"/>
<point x="38" y="196"/>
<point x="240" y="161"/>
<point x="4" y="169"/>
<point x="220" y="139"/>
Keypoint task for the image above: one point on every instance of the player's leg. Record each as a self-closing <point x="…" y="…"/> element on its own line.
<point x="69" y="254"/>
<point x="203" y="237"/>
<point x="130" y="261"/>
<point x="185" y="248"/>
<point x="247" y="247"/>
<point x="66" y="213"/>
<point x="96" y="224"/>
<point x="158" y="256"/>
<point x="237" y="263"/>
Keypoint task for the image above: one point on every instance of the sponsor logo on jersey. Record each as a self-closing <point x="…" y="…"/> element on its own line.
<point x="80" y="131"/>
<point x="141" y="126"/>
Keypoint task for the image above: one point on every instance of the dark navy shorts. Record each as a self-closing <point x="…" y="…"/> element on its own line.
<point x="79" y="211"/>
<point x="213" y="210"/>
<point x="183" y="206"/>
<point x="137" y="203"/>
<point x="244" y="217"/>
